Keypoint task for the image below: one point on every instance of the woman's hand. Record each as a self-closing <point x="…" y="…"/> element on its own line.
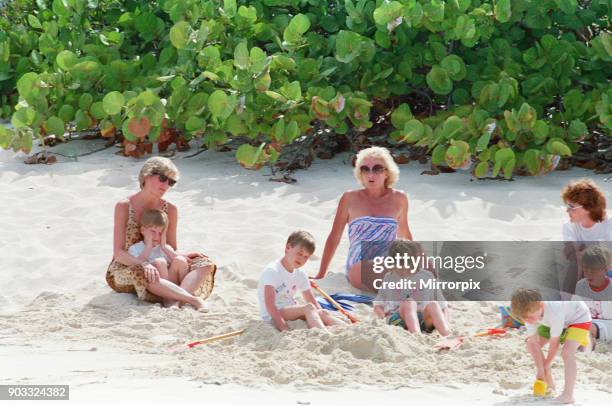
<point x="317" y="276"/>
<point x="193" y="255"/>
<point x="151" y="273"/>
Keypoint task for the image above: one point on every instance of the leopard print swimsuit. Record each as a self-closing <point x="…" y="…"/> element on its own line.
<point x="130" y="279"/>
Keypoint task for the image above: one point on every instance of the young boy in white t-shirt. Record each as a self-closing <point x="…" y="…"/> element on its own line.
<point x="416" y="310"/>
<point x="596" y="291"/>
<point x="282" y="280"/>
<point x="553" y="323"/>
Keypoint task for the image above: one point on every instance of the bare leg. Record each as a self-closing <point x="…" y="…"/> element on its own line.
<point x="594" y="330"/>
<point x="169" y="290"/>
<point x="568" y="353"/>
<point x="534" y="346"/>
<point x="329" y="319"/>
<point x="408" y="313"/>
<point x="177" y="271"/>
<point x="180" y="266"/>
<point x="305" y="312"/>
<point x="193" y="279"/>
<point x="433" y="315"/>
<point x="162" y="266"/>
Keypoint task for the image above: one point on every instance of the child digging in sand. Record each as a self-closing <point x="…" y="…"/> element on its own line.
<point x="155" y="250"/>
<point x="553" y="323"/>
<point x="282" y="280"/>
<point x="414" y="309"/>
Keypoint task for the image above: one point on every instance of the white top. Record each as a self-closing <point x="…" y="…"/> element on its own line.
<point x="559" y="315"/>
<point x="391" y="299"/>
<point x="136" y="249"/>
<point x="583" y="289"/>
<point x="601" y="231"/>
<point x="599" y="303"/>
<point x="286" y="285"/>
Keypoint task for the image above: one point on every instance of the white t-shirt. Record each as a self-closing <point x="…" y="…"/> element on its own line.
<point x="136" y="249"/>
<point x="601" y="231"/>
<point x="391" y="299"/>
<point x="286" y="285"/>
<point x="559" y="315"/>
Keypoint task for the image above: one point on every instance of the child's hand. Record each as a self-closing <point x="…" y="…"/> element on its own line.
<point x="163" y="239"/>
<point x="148" y="238"/>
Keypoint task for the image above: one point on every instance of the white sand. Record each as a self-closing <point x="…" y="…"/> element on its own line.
<point x="60" y="323"/>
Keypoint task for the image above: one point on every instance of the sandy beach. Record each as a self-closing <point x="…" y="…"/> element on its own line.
<point x="61" y="324"/>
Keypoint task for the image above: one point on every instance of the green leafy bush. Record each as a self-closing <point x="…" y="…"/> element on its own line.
<point x="513" y="85"/>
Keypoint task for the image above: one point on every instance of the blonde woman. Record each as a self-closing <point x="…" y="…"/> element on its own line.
<point x="376" y="213"/>
<point x="195" y="273"/>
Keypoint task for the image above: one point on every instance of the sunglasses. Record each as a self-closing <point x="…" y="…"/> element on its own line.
<point x="163" y="179"/>
<point x="572" y="207"/>
<point x="376" y="169"/>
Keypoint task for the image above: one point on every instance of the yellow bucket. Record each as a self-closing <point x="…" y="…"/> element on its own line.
<point x="539" y="388"/>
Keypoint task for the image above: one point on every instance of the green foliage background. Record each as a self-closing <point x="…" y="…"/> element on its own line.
<point x="515" y="84"/>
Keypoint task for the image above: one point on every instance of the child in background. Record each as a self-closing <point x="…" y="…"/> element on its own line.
<point x="553" y="323"/>
<point x="283" y="279"/>
<point x="596" y="291"/>
<point x="414" y="309"/>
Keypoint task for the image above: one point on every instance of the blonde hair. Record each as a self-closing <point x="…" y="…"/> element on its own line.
<point x="302" y="239"/>
<point x="157" y="165"/>
<point x="154" y="218"/>
<point x="380" y="153"/>
<point x="525" y="301"/>
<point x="595" y="258"/>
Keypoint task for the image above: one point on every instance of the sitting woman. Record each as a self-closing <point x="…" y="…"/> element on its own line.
<point x="129" y="274"/>
<point x="376" y="214"/>
<point x="586" y="208"/>
<point x="588" y="222"/>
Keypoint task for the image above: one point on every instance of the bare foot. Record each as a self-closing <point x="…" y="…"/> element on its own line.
<point x="564" y="398"/>
<point x="171" y="303"/>
<point x="198" y="304"/>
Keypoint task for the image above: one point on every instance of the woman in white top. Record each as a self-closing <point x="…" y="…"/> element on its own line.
<point x="586" y="207"/>
<point x="588" y="221"/>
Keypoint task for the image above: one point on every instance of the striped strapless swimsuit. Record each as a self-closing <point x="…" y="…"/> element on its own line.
<point x="381" y="230"/>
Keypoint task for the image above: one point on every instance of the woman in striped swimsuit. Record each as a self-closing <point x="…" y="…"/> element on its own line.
<point x="377" y="214"/>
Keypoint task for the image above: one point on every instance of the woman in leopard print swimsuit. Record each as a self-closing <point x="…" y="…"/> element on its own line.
<point x="127" y="274"/>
